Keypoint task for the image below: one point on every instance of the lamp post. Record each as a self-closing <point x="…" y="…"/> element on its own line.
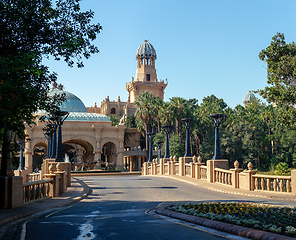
<point x="150" y="136"/>
<point x="21" y="144"/>
<point x="187" y="122"/>
<point x="217" y="120"/>
<point x="48" y="131"/>
<point x="159" y="145"/>
<point x="167" y="129"/>
<point x="60" y="117"/>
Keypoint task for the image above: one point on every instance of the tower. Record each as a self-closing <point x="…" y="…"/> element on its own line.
<point x="249" y="97"/>
<point x="146" y="77"/>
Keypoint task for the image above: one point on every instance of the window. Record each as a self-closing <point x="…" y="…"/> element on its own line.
<point x="148" y="77"/>
<point x="113" y="111"/>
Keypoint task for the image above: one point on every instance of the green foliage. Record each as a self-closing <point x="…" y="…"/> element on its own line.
<point x="176" y="146"/>
<point x="131" y="122"/>
<point x="280" y="58"/>
<point x="31" y="30"/>
<point x="114" y="119"/>
<point x="282" y="169"/>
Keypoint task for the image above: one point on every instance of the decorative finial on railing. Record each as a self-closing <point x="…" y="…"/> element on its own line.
<point x="236" y="164"/>
<point x="59" y="167"/>
<point x="199" y="159"/>
<point x="171" y="158"/>
<point x="250" y="166"/>
<point x="52" y="168"/>
<point x="194" y="159"/>
<point x="175" y="158"/>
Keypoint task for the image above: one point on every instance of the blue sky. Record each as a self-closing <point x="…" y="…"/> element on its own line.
<point x="203" y="47"/>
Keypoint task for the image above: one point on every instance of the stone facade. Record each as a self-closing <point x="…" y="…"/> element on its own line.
<point x="89" y="139"/>
<point x="145" y="80"/>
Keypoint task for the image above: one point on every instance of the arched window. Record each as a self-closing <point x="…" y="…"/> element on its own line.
<point x="113" y="111"/>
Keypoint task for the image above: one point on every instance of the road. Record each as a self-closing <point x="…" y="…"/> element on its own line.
<point x="118" y="208"/>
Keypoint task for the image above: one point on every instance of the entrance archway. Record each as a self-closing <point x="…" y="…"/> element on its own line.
<point x="109" y="155"/>
<point x="80" y="154"/>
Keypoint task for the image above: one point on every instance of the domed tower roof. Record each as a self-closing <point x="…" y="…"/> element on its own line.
<point x="146" y="50"/>
<point x="249" y="97"/>
<point x="75" y="107"/>
<point x="72" y="102"/>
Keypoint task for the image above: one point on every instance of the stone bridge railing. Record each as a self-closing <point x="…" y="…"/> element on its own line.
<point x="24" y="187"/>
<point x="218" y="172"/>
<point x="36" y="190"/>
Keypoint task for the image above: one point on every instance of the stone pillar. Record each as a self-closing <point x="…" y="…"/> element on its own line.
<point x="131" y="164"/>
<point x="182" y="166"/>
<point x="66" y="168"/>
<point x="54" y="186"/>
<point x="293" y="182"/>
<point x="21" y="173"/>
<point x="45" y="165"/>
<point x="192" y="172"/>
<point x="28" y="152"/>
<point x="139" y="163"/>
<point x="11" y="192"/>
<point x="234" y="175"/>
<point x="145" y="168"/>
<point x="120" y="156"/>
<point x="161" y="166"/>
<point x="212" y="164"/>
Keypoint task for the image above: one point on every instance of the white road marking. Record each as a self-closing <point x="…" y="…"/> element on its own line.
<point x="24" y="229"/>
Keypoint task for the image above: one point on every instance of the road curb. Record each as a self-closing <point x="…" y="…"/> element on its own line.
<point x="224" y="227"/>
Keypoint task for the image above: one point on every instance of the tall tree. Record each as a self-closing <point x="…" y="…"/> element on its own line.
<point x="146" y="111"/>
<point x="281" y="77"/>
<point x="31" y="30"/>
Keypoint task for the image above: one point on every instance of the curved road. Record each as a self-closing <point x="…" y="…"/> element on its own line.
<point x="117" y="208"/>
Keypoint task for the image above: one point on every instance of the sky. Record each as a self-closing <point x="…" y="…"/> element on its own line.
<point x="203" y="47"/>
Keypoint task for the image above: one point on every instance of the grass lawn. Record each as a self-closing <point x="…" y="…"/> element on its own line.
<point x="270" y="218"/>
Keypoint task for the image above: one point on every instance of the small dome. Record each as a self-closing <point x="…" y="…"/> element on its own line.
<point x="72" y="103"/>
<point x="146" y="50"/>
<point x="249" y="97"/>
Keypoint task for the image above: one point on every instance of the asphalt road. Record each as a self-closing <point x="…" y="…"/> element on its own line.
<point x="118" y="208"/>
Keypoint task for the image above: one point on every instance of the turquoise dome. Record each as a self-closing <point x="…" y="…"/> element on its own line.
<point x="72" y="103"/>
<point x="146" y="50"/>
<point x="75" y="107"/>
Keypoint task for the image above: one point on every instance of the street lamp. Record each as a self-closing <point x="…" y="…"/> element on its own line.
<point x="21" y="144"/>
<point x="150" y="136"/>
<point x="159" y="145"/>
<point x="167" y="129"/>
<point x="187" y="122"/>
<point x="59" y="117"/>
<point x="217" y="120"/>
<point x="48" y="132"/>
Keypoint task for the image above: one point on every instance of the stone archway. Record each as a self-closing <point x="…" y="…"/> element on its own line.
<point x="80" y="154"/>
<point x="39" y="153"/>
<point x="109" y="155"/>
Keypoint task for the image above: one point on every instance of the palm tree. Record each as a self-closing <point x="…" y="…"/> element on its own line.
<point x="158" y="106"/>
<point x="146" y="111"/>
<point x="178" y="106"/>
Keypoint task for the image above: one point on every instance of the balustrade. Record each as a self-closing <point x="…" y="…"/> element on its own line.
<point x="223" y="176"/>
<point x="235" y="178"/>
<point x="272" y="183"/>
<point x="36" y="190"/>
<point x="33" y="177"/>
